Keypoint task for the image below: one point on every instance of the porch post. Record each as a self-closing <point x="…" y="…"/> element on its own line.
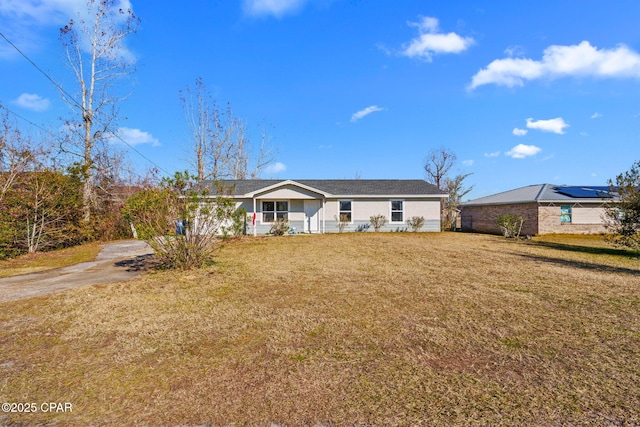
<point x="255" y="232"/>
<point x="324" y="199"/>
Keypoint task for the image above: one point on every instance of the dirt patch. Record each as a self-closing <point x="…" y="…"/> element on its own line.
<point x="116" y="262"/>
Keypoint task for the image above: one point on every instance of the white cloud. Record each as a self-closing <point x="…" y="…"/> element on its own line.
<point x="512" y="51"/>
<point x="33" y="102"/>
<point x="276" y="8"/>
<point x="581" y="60"/>
<point x="467" y="162"/>
<point x="430" y="41"/>
<point x="276" y="168"/>
<point x="596" y="115"/>
<point x="134" y="137"/>
<point x="365" y="112"/>
<point x="556" y="125"/>
<point x="520" y="132"/>
<point x="27" y="17"/>
<point x="494" y="154"/>
<point x="521" y="151"/>
<point x="41" y="11"/>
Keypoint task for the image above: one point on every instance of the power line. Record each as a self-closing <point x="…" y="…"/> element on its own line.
<point x="77" y="104"/>
<point x="44" y="73"/>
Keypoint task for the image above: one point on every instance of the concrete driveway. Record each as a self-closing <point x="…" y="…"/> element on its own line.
<point x="116" y="262"/>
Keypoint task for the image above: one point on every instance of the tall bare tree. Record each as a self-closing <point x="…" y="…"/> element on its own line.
<point x="98" y="57"/>
<point x="18" y="153"/>
<point x="220" y="147"/>
<point x="437" y="165"/>
<point x="456" y="189"/>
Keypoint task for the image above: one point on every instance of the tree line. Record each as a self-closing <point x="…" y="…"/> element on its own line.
<point x="64" y="188"/>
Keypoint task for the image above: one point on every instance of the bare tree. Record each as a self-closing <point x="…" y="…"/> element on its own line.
<point x="455" y="188"/>
<point x="18" y="153"/>
<point x="220" y="147"/>
<point x="437" y="165"/>
<point x="96" y="54"/>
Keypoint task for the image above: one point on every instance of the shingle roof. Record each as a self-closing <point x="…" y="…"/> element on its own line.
<point x="545" y="193"/>
<point x="340" y="187"/>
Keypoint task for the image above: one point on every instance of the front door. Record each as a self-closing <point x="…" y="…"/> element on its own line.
<point x="311" y="216"/>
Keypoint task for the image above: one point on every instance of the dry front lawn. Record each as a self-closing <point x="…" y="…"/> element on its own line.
<point x="343" y="329"/>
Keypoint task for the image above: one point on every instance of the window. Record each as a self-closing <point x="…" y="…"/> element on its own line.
<point x="397" y="211"/>
<point x="274" y="210"/>
<point x="565" y="214"/>
<point x="345" y="210"/>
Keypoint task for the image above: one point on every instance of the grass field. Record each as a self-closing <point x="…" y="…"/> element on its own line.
<point x="343" y="329"/>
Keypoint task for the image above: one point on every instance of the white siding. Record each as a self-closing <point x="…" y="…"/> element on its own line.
<point x="363" y="209"/>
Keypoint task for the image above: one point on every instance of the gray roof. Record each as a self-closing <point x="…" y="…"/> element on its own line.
<point x="546" y="193"/>
<point x="339" y="187"/>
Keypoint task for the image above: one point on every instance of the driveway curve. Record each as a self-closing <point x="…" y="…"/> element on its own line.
<point x="116" y="262"/>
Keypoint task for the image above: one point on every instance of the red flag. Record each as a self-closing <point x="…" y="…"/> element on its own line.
<point x="253" y="222"/>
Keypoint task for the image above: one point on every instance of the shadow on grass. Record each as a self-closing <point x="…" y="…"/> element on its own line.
<point x="588" y="249"/>
<point x="583" y="265"/>
<point x="139" y="263"/>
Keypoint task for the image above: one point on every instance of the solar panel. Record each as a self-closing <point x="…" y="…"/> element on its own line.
<point x="595" y="192"/>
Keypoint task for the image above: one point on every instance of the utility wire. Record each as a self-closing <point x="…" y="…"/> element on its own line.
<point x="44" y="73"/>
<point x="63" y="91"/>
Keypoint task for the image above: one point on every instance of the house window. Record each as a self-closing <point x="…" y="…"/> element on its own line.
<point x="275" y="210"/>
<point x="565" y="214"/>
<point x="345" y="210"/>
<point x="397" y="211"/>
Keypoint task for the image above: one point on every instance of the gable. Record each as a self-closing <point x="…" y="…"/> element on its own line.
<point x="287" y="192"/>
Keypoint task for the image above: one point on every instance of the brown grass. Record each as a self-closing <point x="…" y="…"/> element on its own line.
<point x="343" y="329"/>
<point x="32" y="263"/>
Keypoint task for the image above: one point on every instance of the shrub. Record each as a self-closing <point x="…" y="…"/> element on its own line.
<point x="343" y="222"/>
<point x="378" y="221"/>
<point x="415" y="222"/>
<point x="280" y="227"/>
<point x="181" y="221"/>
<point x="510" y="225"/>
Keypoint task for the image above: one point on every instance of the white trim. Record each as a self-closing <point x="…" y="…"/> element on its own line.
<point x="388" y="196"/>
<point x="282" y="184"/>
<point x="351" y="210"/>
<point x="255" y="214"/>
<point x="324" y="210"/>
<point x="391" y="221"/>
<point x="275" y="211"/>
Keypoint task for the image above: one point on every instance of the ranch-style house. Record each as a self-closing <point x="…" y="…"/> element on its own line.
<point x="314" y="206"/>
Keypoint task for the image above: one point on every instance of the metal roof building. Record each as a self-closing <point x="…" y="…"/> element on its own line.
<point x="547" y="208"/>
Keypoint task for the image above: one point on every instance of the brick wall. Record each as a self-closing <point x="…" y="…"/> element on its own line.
<point x="537" y="220"/>
<point x="549" y="222"/>
<point x="484" y="219"/>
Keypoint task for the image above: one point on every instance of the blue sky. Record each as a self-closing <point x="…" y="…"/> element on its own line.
<point x="523" y="93"/>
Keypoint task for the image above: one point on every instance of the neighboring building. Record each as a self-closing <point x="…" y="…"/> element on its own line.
<point x="312" y="206"/>
<point x="546" y="209"/>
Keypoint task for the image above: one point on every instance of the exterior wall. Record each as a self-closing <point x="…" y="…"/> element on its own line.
<point x="586" y="219"/>
<point x="539" y="219"/>
<point x="362" y="210"/>
<point x="484" y="219"/>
